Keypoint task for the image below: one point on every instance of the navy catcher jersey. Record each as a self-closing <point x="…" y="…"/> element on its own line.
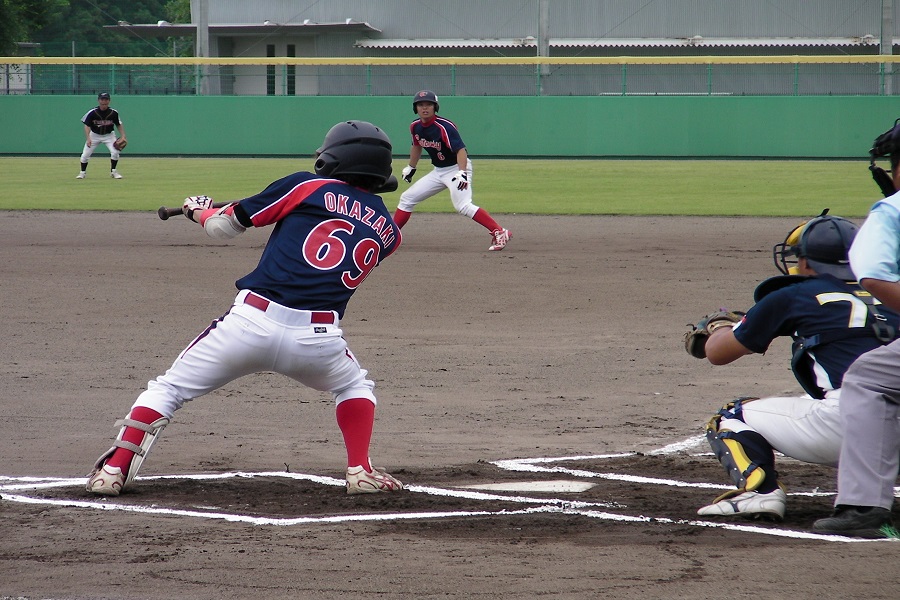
<point x="440" y="139"/>
<point x="328" y="237"/>
<point x="101" y="122"/>
<point x="814" y="306"/>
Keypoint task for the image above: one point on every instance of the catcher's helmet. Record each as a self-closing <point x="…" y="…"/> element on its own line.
<point x="823" y="241"/>
<point x="426" y="96"/>
<point x="355" y="148"/>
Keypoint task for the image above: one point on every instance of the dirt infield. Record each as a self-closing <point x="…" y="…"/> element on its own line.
<point x="558" y="361"/>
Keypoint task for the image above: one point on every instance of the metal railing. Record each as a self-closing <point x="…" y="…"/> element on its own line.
<point x="795" y="75"/>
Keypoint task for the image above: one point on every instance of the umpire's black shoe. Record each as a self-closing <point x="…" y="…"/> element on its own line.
<point x="870" y="522"/>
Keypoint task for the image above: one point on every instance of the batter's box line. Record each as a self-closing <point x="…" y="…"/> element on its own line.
<point x="564" y="508"/>
<point x="535" y="465"/>
<point x="34" y="483"/>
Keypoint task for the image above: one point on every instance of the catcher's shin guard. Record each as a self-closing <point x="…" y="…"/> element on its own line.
<point x="746" y="456"/>
<point x="151" y="434"/>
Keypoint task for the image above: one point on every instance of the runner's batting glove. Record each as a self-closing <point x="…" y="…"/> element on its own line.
<point x="195" y="203"/>
<point x="463" y="180"/>
<point x="408" y="172"/>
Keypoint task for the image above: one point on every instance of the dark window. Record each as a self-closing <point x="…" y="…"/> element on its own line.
<point x="270" y="71"/>
<point x="291" y="72"/>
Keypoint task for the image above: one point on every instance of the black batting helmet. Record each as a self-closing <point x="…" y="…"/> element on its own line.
<point x="426" y="96"/>
<point x="824" y="242"/>
<point x="355" y="148"/>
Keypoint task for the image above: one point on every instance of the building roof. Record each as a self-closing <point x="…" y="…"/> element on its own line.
<point x="696" y="41"/>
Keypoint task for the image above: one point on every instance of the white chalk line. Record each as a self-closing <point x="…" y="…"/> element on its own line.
<point x="543" y="505"/>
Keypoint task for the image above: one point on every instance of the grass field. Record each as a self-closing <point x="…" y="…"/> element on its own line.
<point x="526" y="186"/>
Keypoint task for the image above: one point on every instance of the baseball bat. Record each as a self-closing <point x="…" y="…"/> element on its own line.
<point x="390" y="185"/>
<point x="166" y="212"/>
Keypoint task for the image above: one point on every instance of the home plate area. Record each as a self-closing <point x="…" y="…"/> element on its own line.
<point x="659" y="491"/>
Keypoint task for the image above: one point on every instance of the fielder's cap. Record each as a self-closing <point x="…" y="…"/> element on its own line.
<point x="103" y="96"/>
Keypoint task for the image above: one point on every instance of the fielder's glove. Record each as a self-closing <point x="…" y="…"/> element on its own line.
<point x="463" y="180"/>
<point x="195" y="203"/>
<point x="408" y="172"/>
<point x="120" y="143"/>
<point x="695" y="339"/>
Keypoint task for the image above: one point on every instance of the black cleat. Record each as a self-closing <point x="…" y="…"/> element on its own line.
<point x="870" y="522"/>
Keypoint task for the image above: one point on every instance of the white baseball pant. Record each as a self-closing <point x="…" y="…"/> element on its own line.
<point x="96" y="140"/>
<point x="436" y="181"/>
<point x="802" y="428"/>
<point x="250" y="340"/>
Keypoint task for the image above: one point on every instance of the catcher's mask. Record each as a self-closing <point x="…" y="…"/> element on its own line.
<point x="823" y="241"/>
<point x="886" y="144"/>
<point x="355" y="148"/>
<point x="426" y="96"/>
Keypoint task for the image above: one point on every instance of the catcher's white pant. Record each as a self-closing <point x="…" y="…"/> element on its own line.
<point x="96" y="140"/>
<point x="249" y="340"/>
<point x="802" y="428"/>
<point x="436" y="181"/>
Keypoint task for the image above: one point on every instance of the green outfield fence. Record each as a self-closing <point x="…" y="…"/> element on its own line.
<point x="683" y="108"/>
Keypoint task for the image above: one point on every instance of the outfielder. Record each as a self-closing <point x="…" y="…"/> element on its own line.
<point x="331" y="231"/>
<point x="99" y="125"/>
<point x="832" y="321"/>
<point x="440" y="138"/>
<point x="871" y="397"/>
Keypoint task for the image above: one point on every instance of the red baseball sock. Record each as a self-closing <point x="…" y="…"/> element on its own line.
<point x="400" y="218"/>
<point x="356" y="418"/>
<point x="122" y="456"/>
<point x="485" y="220"/>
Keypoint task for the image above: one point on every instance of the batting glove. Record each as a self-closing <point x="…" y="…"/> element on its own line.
<point x="408" y="172"/>
<point x="463" y="180"/>
<point x="195" y="203"/>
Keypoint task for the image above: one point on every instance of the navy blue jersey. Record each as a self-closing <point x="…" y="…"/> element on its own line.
<point x="101" y="122"/>
<point x="328" y="237"/>
<point x="440" y="139"/>
<point x="822" y="305"/>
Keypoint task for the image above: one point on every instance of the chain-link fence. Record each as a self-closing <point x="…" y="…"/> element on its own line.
<point x="713" y="76"/>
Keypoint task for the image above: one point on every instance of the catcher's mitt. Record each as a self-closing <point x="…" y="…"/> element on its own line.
<point x="120" y="143"/>
<point x="695" y="339"/>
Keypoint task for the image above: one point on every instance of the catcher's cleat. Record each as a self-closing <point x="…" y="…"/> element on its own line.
<point x="81" y="175"/>
<point x="501" y="238"/>
<point x="360" y="481"/>
<point x="857" y="521"/>
<point x="748" y="504"/>
<point x="115" y="174"/>
<point x="106" y="481"/>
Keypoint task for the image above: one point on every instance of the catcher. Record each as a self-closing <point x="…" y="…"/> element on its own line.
<point x="832" y="321"/>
